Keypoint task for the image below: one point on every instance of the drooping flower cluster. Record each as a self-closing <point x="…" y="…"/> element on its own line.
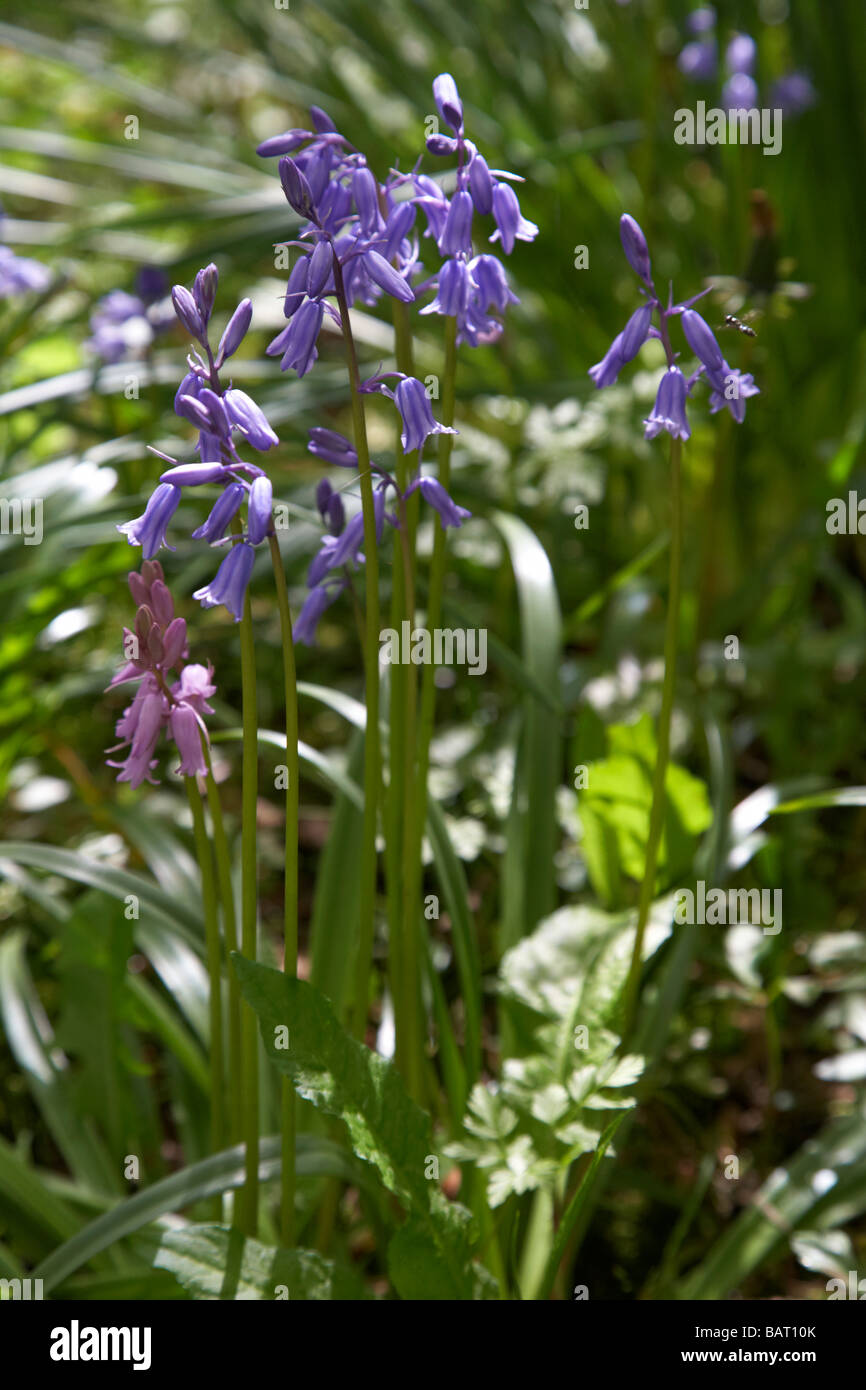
<point x="340" y="552"/>
<point x="354" y="228"/>
<point x="357" y="243"/>
<point x="219" y="415"/>
<point x="155" y="647"/>
<point x="728" y="387"/>
<point x="792" y="93"/>
<point x="469" y="286"/>
<point x="125" y="325"/>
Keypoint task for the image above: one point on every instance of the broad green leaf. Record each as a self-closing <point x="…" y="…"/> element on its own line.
<point x="219" y="1173"/>
<point x="215" y="1262"/>
<point x="345" y="1079"/>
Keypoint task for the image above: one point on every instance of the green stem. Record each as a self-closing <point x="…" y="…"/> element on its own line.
<point x="290" y="961"/>
<point x="214" y="968"/>
<point x="404" y="919"/>
<point x="372" y="771"/>
<point x="249" y="1203"/>
<point x="657" y="813"/>
<point x="230" y="935"/>
<point x="416" y="816"/>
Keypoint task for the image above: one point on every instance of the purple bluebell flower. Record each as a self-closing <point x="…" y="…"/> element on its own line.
<point x="204" y="291"/>
<point x="605" y="372"/>
<point x="296" y="286"/>
<point x="235" y="331"/>
<point x="699" y="60"/>
<point x="793" y="94"/>
<point x="511" y="225"/>
<point x="448" y="102"/>
<point x="387" y="278"/>
<point x="481" y="185"/>
<point x="188" y="312"/>
<point x="491" y="282"/>
<point x="636" y="332"/>
<point x="433" y="492"/>
<point x="416" y="413"/>
<point x="701" y="20"/>
<point x="320" y="277"/>
<point x="120" y="327"/>
<point x="196" y="474"/>
<point x="148" y="530"/>
<point x="318" y="599"/>
<point x="669" y="411"/>
<point x="635" y="247"/>
<point x="296" y="344"/>
<point x="456" y="236"/>
<point x="296" y="187"/>
<point x="229" y="585"/>
<point x="20" y="275"/>
<point x="260" y="510"/>
<point x="728" y="388"/>
<point x="702" y="340"/>
<point x="740" y="54"/>
<point x="740" y="93"/>
<point x="250" y="419"/>
<point x="732" y="389"/>
<point x="455" y="289"/>
<point x="224" y="510"/>
<point x="332" y="447"/>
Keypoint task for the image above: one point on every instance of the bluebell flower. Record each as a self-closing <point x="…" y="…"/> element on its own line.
<point x="669" y="411"/>
<point x="229" y="585"/>
<point x="222" y="514"/>
<point x="416" y="412"/>
<point x="20" y="275"/>
<point x="260" y="509"/>
<point x="793" y="94"/>
<point x="740" y="93"/>
<point x="249" y="419"/>
<point x="732" y="389"/>
<point x="448" y="102"/>
<point x="740" y="54"/>
<point x="218" y="414"/>
<point x="318" y="599"/>
<point x="433" y="492"/>
<point x="701" y="20"/>
<point x="727" y="387"/>
<point x="511" y="225"/>
<point x="296" y="344"/>
<point x="332" y="447"/>
<point x="235" y="331"/>
<point x="148" y="530"/>
<point x="699" y="60"/>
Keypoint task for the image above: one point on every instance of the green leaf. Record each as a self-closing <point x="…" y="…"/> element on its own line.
<point x="345" y="1079"/>
<point x="532" y="824"/>
<point x="219" y="1173"/>
<point x="418" y="1271"/>
<point x="215" y="1262"/>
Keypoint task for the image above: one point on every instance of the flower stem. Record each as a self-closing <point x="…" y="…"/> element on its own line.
<point x="372" y="771"/>
<point x="657" y="812"/>
<point x="230" y="934"/>
<point x="434" y="614"/>
<point x="249" y="1204"/>
<point x="214" y="968"/>
<point x="290" y="961"/>
<point x="404" y="908"/>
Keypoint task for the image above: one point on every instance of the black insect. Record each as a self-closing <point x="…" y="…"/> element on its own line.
<point x="731" y="321"/>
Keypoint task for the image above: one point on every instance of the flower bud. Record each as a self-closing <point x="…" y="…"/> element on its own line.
<point x="296" y="188"/>
<point x="635" y="247"/>
<point x="187" y="311"/>
<point x="235" y="331"/>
